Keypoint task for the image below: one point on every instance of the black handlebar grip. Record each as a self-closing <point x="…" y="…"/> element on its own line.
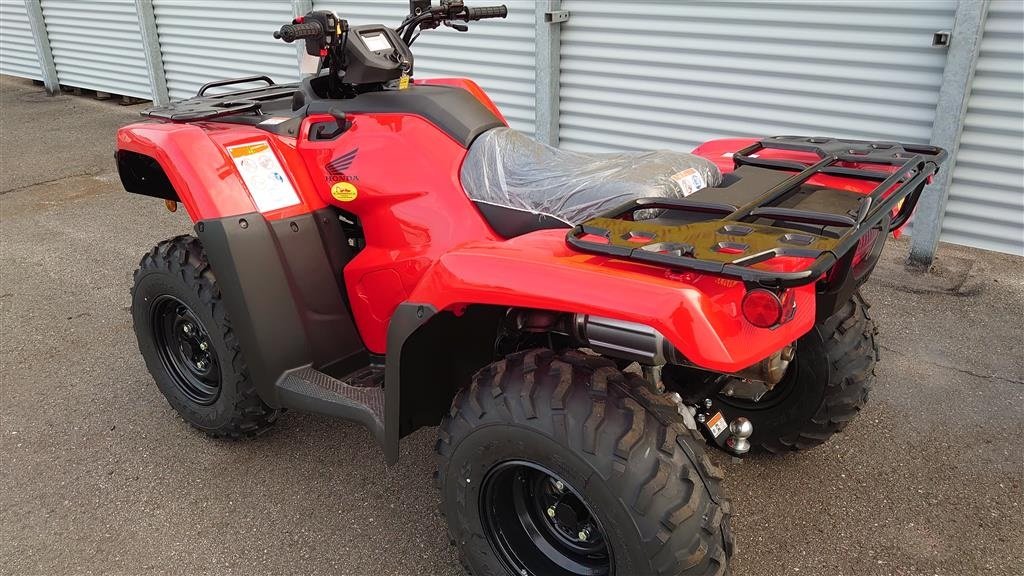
<point x="293" y="32"/>
<point x="486" y="12"/>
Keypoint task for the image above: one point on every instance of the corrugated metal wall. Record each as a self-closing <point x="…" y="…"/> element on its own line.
<point x="634" y="75"/>
<point x="96" y="45"/>
<point x="986" y="200"/>
<point x="18" y="55"/>
<point x="498" y="54"/>
<point x="203" y="41"/>
<point x="674" y="74"/>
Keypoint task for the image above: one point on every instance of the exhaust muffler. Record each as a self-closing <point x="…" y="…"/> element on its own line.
<point x="623" y="339"/>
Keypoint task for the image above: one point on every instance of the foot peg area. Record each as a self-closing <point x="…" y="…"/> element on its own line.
<point x="310" y="390"/>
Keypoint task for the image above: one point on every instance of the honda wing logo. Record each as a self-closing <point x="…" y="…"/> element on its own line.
<point x="342" y="163"/>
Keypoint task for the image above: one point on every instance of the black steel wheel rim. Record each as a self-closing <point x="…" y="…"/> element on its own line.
<point x="539" y="525"/>
<point x="186" y="350"/>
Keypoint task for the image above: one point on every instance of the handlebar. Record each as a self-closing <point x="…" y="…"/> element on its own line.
<point x="486" y="12"/>
<point x="292" y="32"/>
<point x="448" y="13"/>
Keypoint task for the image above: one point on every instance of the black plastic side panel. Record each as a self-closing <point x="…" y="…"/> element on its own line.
<point x="141" y="174"/>
<point x="314" y="250"/>
<point x="453" y="110"/>
<point x="407" y="318"/>
<point x="281" y="288"/>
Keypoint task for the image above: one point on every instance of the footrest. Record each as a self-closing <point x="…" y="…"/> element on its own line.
<point x="310" y="390"/>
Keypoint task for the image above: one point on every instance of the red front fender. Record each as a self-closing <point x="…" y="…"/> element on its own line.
<point x="699" y="314"/>
<point x="195" y="160"/>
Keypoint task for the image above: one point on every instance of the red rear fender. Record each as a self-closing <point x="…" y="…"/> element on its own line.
<point x="699" y="314"/>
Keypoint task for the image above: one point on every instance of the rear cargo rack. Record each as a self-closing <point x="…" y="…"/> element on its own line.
<point x="730" y="238"/>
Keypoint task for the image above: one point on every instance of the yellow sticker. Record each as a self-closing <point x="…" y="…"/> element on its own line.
<point x="403" y="82"/>
<point x="344" y="192"/>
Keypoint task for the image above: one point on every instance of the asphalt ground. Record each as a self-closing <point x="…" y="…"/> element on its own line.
<point x="99" y="475"/>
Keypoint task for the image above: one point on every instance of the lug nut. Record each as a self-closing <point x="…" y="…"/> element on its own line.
<point x="551" y="511"/>
<point x="187" y="328"/>
<point x="203" y="346"/>
<point x="707" y="403"/>
<point x="559" y="486"/>
<point x="701" y="418"/>
<point x="201" y="364"/>
<point x="584" y="534"/>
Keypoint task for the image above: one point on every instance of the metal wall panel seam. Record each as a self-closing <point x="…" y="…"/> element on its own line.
<point x="548" y="35"/>
<point x="151" y="48"/>
<point x="985" y="207"/>
<point x="96" y="45"/>
<point x="965" y="46"/>
<point x="42" y="41"/>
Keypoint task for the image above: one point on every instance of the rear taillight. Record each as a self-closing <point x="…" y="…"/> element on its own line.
<point x="765" y="309"/>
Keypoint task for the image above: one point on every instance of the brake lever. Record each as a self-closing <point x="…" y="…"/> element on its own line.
<point x="457" y="26"/>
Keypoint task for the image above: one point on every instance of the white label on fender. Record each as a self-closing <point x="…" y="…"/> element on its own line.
<point x="263" y="176"/>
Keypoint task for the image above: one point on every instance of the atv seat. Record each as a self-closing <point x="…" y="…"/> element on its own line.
<point x="520" y="185"/>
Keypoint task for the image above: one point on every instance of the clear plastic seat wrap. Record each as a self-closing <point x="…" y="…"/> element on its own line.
<point x="521" y="185"/>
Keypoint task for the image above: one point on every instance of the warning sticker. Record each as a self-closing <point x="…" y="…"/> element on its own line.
<point x="717" y="424"/>
<point x="263" y="176"/>
<point x="689" y="181"/>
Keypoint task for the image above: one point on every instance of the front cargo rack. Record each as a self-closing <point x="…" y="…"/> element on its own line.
<point x="767" y="209"/>
<point x="205" y="106"/>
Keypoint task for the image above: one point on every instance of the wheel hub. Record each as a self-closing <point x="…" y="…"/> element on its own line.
<point x="540" y="525"/>
<point x="185" y="350"/>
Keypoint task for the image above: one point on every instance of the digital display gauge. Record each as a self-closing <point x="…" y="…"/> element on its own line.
<point x="376" y="42"/>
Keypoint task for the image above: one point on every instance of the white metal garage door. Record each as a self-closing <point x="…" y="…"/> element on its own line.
<point x="18" y="55"/>
<point x="674" y="74"/>
<point x="986" y="200"/>
<point x="96" y="45"/>
<point x="497" y="54"/>
<point x="201" y="41"/>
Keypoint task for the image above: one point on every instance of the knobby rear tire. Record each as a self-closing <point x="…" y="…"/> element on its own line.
<point x="832" y="376"/>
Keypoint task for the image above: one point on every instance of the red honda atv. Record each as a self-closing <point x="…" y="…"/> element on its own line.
<point x="389" y="252"/>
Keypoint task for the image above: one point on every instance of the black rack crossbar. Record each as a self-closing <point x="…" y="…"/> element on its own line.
<point x="735" y="238"/>
<point x="233" y="81"/>
<point x="209" y="107"/>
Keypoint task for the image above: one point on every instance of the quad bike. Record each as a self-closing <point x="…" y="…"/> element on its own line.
<point x="387" y="251"/>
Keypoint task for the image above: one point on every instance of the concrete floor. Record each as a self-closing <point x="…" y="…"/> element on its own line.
<point x="100" y="476"/>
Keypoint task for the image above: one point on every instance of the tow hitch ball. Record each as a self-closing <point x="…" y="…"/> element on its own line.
<point x="730" y="436"/>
